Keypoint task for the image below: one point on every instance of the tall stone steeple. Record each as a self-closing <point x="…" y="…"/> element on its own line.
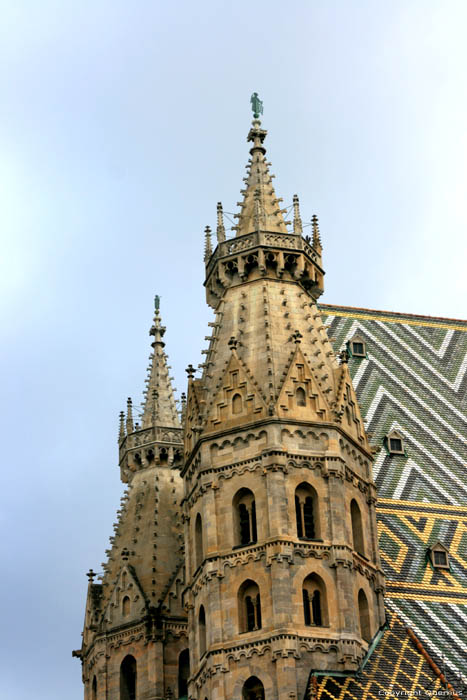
<point x="135" y="615"/>
<point x="282" y="564"/>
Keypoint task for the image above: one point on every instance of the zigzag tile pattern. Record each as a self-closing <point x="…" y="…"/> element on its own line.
<point x="414" y="379"/>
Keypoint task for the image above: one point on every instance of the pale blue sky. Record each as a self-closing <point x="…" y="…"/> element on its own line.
<point x="122" y="124"/>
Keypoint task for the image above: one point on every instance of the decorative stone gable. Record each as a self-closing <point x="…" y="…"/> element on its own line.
<point x="301" y="396"/>
<point x="238" y="400"/>
<point x="127" y="602"/>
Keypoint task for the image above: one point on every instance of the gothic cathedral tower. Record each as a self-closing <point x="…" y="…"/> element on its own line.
<point x="282" y="567"/>
<point x="245" y="556"/>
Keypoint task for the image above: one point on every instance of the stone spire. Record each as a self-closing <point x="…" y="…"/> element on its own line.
<point x="220" y="223"/>
<point x="316" y="235"/>
<point x="159" y="406"/>
<point x="297" y="221"/>
<point x="207" y="244"/>
<point x="260" y="207"/>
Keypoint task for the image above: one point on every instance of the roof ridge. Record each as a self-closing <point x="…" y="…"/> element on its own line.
<point x="394" y="313"/>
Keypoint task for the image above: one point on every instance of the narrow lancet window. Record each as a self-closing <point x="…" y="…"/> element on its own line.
<point x="306" y="511"/>
<point x="199" y="555"/>
<point x="244" y="517"/>
<point x="128" y="678"/>
<point x="364" y="616"/>
<point x="314" y="601"/>
<point x="357" y="528"/>
<point x="249" y="607"/>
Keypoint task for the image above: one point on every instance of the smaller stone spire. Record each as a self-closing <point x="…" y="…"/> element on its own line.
<point x="297" y="221"/>
<point x="159" y="406"/>
<point x="129" y="416"/>
<point x="121" y="432"/>
<point x="260" y="208"/>
<point x="316" y="235"/>
<point x="183" y="408"/>
<point x="207" y="244"/>
<point x="220" y="223"/>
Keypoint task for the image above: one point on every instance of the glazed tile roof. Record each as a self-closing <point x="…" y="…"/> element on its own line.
<point x="414" y="380"/>
<point x="396" y="668"/>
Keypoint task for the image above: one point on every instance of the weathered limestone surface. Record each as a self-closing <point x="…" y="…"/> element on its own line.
<point x="250" y="540"/>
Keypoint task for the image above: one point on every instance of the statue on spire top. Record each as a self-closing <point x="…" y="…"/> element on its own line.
<point x="256" y="105"/>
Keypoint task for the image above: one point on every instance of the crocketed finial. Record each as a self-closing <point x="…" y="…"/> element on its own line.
<point x="297" y="221"/>
<point x="121" y="432"/>
<point x="90" y="575"/>
<point x="183" y="407"/>
<point x="233" y="342"/>
<point x="129" y="416"/>
<point x="207" y="244"/>
<point x="220" y="223"/>
<point x="316" y="235"/>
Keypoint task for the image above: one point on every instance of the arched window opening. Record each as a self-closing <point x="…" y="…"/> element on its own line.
<point x="364" y="616"/>
<point x="314" y="601"/>
<point x="202" y="631"/>
<point x="244" y="517"/>
<point x="357" y="529"/>
<point x="237" y="403"/>
<point x="126" y="606"/>
<point x="253" y="689"/>
<point x="128" y="678"/>
<point x="249" y="607"/>
<point x="94" y="689"/>
<point x="199" y="555"/>
<point x="183" y="673"/>
<point x="306" y="511"/>
<point x="150" y="456"/>
<point x="163" y="456"/>
<point x="300" y="396"/>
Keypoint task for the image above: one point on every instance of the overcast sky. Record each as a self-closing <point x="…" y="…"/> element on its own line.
<point x="122" y="124"/>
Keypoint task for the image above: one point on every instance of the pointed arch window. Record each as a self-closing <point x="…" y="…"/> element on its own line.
<point x="126" y="606"/>
<point x="94" y="689"/>
<point x="249" y="607"/>
<point x="300" y="396"/>
<point x="244" y="517"/>
<point x="253" y="689"/>
<point x="237" y="404"/>
<point x="183" y="673"/>
<point x="199" y="554"/>
<point x="314" y="601"/>
<point x="364" y="616"/>
<point x="128" y="678"/>
<point x="306" y="511"/>
<point x="202" y="631"/>
<point x="357" y="528"/>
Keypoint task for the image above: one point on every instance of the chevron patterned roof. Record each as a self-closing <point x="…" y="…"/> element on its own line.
<point x="414" y="380"/>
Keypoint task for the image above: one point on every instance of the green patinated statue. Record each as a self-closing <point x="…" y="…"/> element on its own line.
<point x="157" y="300"/>
<point x="256" y="105"/>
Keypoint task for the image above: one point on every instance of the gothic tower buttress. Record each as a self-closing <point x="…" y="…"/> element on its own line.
<point x="282" y="567"/>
